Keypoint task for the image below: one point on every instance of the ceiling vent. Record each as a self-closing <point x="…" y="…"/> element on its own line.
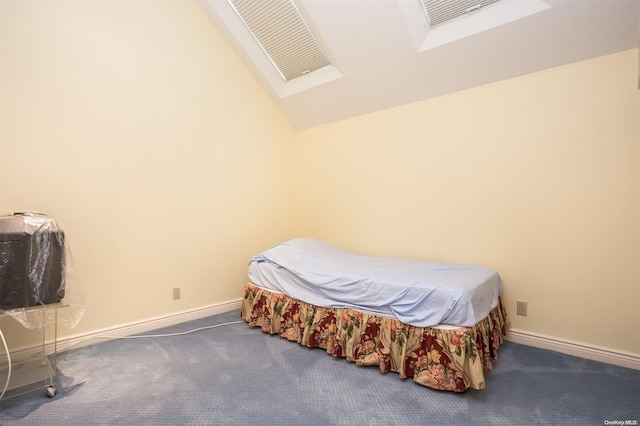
<point x="283" y="34"/>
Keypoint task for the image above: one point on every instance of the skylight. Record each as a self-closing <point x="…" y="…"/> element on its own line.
<point x="283" y="34"/>
<point x="451" y="20"/>
<point x="278" y="42"/>
<point x="438" y="12"/>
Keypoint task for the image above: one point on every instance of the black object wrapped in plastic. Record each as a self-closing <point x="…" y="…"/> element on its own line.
<point x="32" y="261"/>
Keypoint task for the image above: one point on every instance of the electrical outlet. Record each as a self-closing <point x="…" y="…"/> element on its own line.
<point x="522" y="308"/>
<point x="176" y="293"/>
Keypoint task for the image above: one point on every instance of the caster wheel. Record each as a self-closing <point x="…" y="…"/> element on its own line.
<point x="51" y="391"/>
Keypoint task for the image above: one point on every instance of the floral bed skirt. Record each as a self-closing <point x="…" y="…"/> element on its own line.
<point x="452" y="359"/>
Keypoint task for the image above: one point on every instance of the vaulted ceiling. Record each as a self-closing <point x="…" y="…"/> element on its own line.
<point x="371" y="44"/>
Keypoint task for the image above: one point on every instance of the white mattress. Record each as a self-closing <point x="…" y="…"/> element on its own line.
<point x="417" y="292"/>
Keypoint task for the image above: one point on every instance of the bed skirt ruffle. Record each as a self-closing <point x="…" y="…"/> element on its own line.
<point x="451" y="359"/>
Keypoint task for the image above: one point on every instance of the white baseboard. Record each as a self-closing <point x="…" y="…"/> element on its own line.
<point x="79" y="340"/>
<point x="609" y="356"/>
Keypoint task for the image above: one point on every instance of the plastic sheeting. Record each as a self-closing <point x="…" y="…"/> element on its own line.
<point x="37" y="279"/>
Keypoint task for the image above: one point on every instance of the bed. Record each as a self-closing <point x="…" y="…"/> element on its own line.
<point x="439" y="323"/>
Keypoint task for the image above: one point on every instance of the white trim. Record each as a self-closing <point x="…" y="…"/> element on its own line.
<point x="79" y="340"/>
<point x="582" y="350"/>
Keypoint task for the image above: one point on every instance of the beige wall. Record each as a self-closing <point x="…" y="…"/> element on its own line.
<point x="535" y="176"/>
<point x="137" y="127"/>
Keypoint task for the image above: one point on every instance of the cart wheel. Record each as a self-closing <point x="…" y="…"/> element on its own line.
<point x="51" y="391"/>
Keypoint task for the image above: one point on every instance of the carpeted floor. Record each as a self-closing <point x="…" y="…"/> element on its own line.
<point x="236" y="375"/>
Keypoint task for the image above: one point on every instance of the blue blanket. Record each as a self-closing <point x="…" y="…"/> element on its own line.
<point x="417" y="292"/>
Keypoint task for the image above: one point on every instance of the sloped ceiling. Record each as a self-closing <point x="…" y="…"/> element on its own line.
<point x="371" y="45"/>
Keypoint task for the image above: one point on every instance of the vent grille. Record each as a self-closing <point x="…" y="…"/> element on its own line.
<point x="438" y="12"/>
<point x="283" y="34"/>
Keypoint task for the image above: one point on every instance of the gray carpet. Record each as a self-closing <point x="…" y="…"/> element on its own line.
<point x="236" y="375"/>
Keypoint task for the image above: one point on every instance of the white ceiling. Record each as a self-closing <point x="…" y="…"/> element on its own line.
<point x="370" y="44"/>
